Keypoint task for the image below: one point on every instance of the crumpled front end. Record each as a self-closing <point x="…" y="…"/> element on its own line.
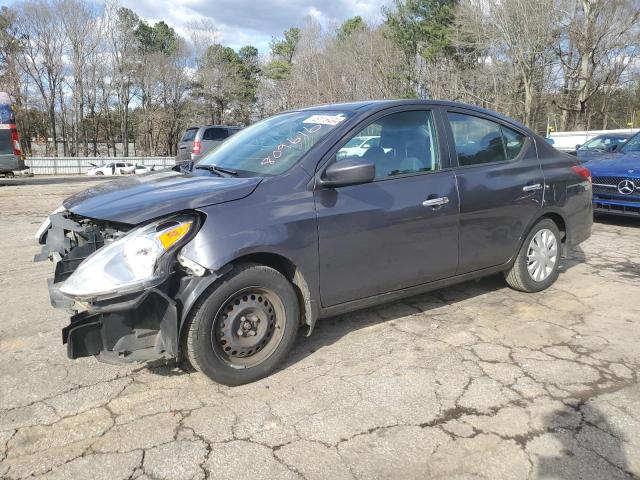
<point x="138" y="326"/>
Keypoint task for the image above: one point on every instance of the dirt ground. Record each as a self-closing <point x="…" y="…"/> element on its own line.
<point x="475" y="381"/>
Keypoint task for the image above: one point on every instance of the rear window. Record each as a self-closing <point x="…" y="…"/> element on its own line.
<point x="189" y="135"/>
<point x="215" y="134"/>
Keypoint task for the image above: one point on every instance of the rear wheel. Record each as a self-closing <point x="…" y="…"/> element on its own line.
<point x="243" y="326"/>
<point x="99" y="173"/>
<point x="537" y="265"/>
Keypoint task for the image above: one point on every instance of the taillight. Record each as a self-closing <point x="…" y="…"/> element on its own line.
<point x="582" y="171"/>
<point x="16" y="142"/>
<point x="196" y="147"/>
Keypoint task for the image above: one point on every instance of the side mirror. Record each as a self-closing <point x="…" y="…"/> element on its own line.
<point x="612" y="148"/>
<point x="578" y="146"/>
<point x="352" y="171"/>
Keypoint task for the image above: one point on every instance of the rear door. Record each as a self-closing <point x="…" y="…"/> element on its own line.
<point x="212" y="137"/>
<point x="186" y="144"/>
<point x="398" y="231"/>
<point x="500" y="183"/>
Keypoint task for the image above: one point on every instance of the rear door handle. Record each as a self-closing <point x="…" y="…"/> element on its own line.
<point x="434" y="202"/>
<point x="532" y="188"/>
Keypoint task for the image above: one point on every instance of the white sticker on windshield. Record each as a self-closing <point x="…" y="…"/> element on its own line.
<point x="325" y="119"/>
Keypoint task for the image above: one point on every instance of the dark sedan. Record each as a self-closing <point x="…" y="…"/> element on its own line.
<point x="221" y="263"/>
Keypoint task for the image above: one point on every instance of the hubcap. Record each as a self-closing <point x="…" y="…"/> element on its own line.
<point x="248" y="327"/>
<point x="542" y="255"/>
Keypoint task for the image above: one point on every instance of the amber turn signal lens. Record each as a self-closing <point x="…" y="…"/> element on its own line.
<point x="171" y="236"/>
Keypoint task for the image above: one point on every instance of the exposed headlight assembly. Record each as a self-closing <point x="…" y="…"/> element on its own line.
<point x="140" y="259"/>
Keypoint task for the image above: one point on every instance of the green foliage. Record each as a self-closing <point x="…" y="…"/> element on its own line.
<point x="351" y="26"/>
<point x="277" y="70"/>
<point x="220" y="55"/>
<point x="285" y="48"/>
<point x="249" y="71"/>
<point x="127" y="19"/>
<point x="423" y="27"/>
<point x="160" y="38"/>
<point x="248" y="54"/>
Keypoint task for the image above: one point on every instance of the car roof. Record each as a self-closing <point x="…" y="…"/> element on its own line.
<point x="217" y="126"/>
<point x="613" y="134"/>
<point x="376" y="105"/>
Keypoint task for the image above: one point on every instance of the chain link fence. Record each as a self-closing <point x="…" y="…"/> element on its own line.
<point x="80" y="165"/>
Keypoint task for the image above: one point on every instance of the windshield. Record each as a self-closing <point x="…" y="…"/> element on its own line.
<point x="275" y="144"/>
<point x="632" y="145"/>
<point x="601" y="143"/>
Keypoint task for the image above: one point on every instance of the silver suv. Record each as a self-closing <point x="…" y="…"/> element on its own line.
<point x="197" y="141"/>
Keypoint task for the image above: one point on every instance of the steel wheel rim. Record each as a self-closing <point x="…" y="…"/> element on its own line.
<point x="542" y="255"/>
<point x="248" y="327"/>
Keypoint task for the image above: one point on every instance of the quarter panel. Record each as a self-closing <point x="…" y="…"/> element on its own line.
<point x="566" y="192"/>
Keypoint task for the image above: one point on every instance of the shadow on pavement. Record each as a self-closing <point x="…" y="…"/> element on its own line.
<point x="589" y="449"/>
<point x="617" y="220"/>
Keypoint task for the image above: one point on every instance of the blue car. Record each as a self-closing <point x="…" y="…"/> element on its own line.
<point x="616" y="180"/>
<point x="601" y="145"/>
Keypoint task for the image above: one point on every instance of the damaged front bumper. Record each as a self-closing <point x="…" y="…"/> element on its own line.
<point x="139" y="326"/>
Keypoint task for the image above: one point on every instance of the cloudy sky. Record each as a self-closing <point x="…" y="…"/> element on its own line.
<point x="253" y="22"/>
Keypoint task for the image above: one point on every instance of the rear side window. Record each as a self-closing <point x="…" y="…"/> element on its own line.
<point x="481" y="141"/>
<point x="215" y="134"/>
<point x="513" y="142"/>
<point x="189" y="135"/>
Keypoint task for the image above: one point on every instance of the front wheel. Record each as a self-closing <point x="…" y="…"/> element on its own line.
<point x="243" y="326"/>
<point x="537" y="265"/>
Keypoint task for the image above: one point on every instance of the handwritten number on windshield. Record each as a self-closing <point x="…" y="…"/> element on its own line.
<point x="277" y="152"/>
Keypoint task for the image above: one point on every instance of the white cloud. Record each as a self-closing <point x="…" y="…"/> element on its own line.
<point x="250" y="22"/>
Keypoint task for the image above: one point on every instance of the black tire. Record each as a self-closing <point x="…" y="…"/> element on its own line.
<point x="99" y="173"/>
<point x="518" y="276"/>
<point x="9" y="175"/>
<point x="250" y="291"/>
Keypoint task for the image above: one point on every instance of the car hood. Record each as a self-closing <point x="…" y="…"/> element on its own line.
<point x="133" y="200"/>
<point x="615" y="164"/>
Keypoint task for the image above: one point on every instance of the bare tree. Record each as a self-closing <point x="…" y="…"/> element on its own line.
<point x="598" y="39"/>
<point x="520" y="32"/>
<point x="79" y="22"/>
<point x="42" y="45"/>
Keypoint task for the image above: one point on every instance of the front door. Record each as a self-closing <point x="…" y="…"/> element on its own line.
<point x="398" y="231"/>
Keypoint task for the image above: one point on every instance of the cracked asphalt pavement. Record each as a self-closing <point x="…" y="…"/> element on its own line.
<point x="474" y="381"/>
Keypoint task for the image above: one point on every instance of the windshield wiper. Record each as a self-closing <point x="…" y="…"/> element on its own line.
<point x="222" y="172"/>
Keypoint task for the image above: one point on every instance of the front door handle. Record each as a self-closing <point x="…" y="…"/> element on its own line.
<point x="435" y="202"/>
<point x="532" y="188"/>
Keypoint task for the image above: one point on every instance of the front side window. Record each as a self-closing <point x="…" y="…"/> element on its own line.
<point x="632" y="145"/>
<point x="399" y="144"/>
<point x="480" y="141"/>
<point x="274" y="145"/>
